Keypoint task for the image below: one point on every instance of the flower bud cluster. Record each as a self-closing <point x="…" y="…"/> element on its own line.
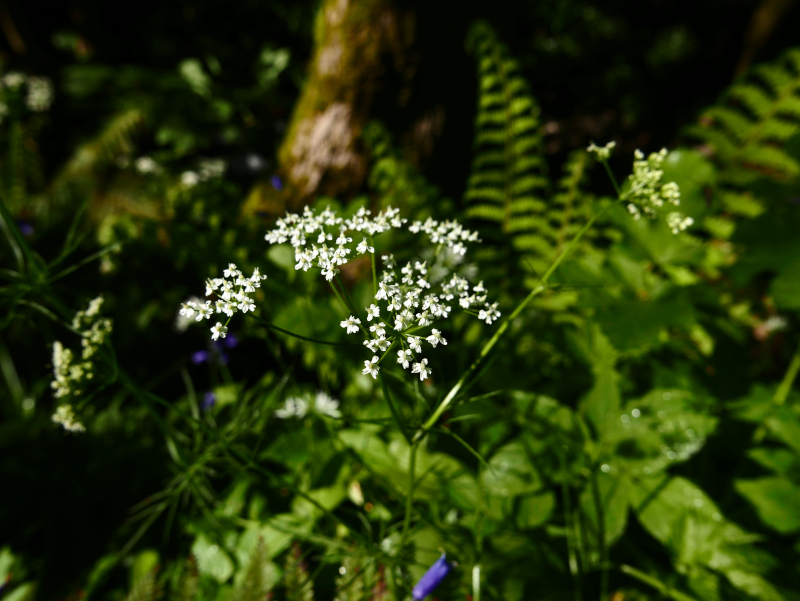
<point x="648" y="195"/>
<point x="326" y="227"/>
<point x="69" y="374"/>
<point x="601" y="152"/>
<point x="233" y="292"/>
<point x="66" y="418"/>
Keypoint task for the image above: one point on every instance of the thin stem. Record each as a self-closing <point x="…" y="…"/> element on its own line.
<point x="574" y="566"/>
<point x="781" y="393"/>
<point x="611" y="176"/>
<point x="601" y="537"/>
<point x="288" y="333"/>
<point x="412" y="461"/>
<point x="374" y="271"/>
<point x="661" y="587"/>
<point x="445" y="404"/>
<point x="393" y="409"/>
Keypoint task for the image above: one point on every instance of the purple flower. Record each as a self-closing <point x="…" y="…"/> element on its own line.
<point x="432" y="578"/>
<point x="230" y="341"/>
<point x="199" y="357"/>
<point x="276" y="183"/>
<point x="209" y="399"/>
<point x="25" y="227"/>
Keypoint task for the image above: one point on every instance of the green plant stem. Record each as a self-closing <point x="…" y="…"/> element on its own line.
<point x="374" y="270"/>
<point x="613" y="179"/>
<point x="601" y="537"/>
<point x="412" y="462"/>
<point x="393" y="409"/>
<point x="447" y="401"/>
<point x="271" y="326"/>
<point x="664" y="589"/>
<point x="574" y="565"/>
<point x="781" y="393"/>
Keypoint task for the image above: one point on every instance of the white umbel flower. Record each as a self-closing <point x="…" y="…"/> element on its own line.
<point x="422" y="369"/>
<point x="373" y="311"/>
<point x="404" y="357"/>
<point x="371" y="367"/>
<point x="218" y="331"/>
<point x="435" y="338"/>
<point x="351" y="323"/>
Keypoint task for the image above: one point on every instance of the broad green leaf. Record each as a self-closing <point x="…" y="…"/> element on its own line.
<point x="535" y="510"/>
<point x="776" y="500"/>
<point x="662" y="428"/>
<point x="612" y="494"/>
<point x="212" y="560"/>
<point x="785" y="288"/>
<point x="602" y="402"/>
<point x="510" y="472"/>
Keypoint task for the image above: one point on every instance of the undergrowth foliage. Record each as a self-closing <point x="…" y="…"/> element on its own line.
<point x="624" y="425"/>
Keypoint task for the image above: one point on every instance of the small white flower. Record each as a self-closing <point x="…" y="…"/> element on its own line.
<point x="218" y="330"/>
<point x="351" y="323"/>
<point x="187" y="309"/>
<point x="435" y="338"/>
<point x="379" y="329"/>
<point x="422" y="369"/>
<point x="325" y="405"/>
<point x="363" y="247"/>
<point x="373" y="311"/>
<point x="293" y="407"/>
<point x="204" y="311"/>
<point x="489" y="314"/>
<point x="423" y="319"/>
<point x="371" y="367"/>
<point x="403" y="357"/>
<point x="413" y="342"/>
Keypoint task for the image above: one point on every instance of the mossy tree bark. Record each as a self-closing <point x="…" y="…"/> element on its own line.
<point x="356" y="44"/>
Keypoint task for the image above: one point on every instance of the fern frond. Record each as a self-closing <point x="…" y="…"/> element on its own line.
<point x="145" y="589"/>
<point x="116" y="139"/>
<point x="508" y="171"/>
<point x="190" y="582"/>
<point x="746" y="130"/>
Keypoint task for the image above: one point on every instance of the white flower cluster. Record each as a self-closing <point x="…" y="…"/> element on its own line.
<point x="65" y="417"/>
<point x="146" y="165"/>
<point x="415" y="298"/>
<point x="408" y="302"/>
<point x="207" y="169"/>
<point x="601" y="152"/>
<point x="649" y="195"/>
<point x="39" y="93"/>
<point x="327" y="227"/>
<point x="233" y="291"/>
<point x="69" y="374"/>
<point x="298" y="407"/>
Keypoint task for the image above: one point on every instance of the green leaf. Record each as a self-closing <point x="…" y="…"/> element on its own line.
<point x="535" y="510"/>
<point x="785" y="288"/>
<point x="212" y="561"/>
<point x="661" y="428"/>
<point x="776" y="500"/>
<point x="510" y="472"/>
<point x="612" y="493"/>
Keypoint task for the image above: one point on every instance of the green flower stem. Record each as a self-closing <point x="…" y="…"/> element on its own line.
<point x="664" y="589"/>
<point x="412" y="462"/>
<point x="448" y="400"/>
<point x="374" y="270"/>
<point x="781" y="393"/>
<point x="393" y="409"/>
<point x="288" y="333"/>
<point x="611" y="176"/>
